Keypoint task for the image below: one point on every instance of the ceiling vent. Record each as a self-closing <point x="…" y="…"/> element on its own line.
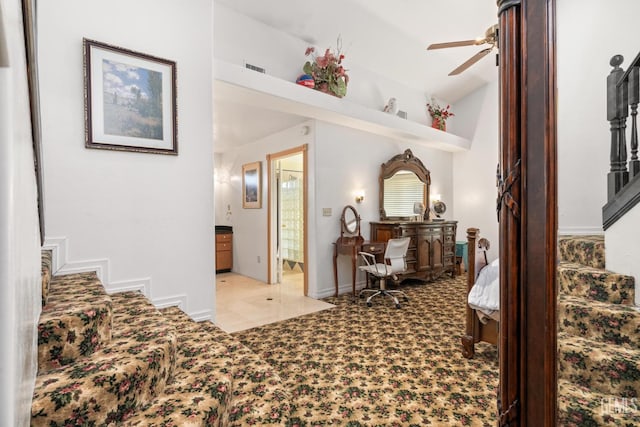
<point x="254" y="67"/>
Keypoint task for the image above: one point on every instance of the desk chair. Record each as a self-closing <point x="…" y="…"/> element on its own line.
<point x="394" y="262"/>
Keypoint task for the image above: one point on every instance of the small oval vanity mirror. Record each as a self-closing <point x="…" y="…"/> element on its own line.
<point x="350" y="221"/>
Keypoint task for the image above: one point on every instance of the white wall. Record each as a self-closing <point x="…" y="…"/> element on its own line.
<point x="19" y="230"/>
<point x="250" y="225"/>
<point x="341" y="161"/>
<point x="240" y="39"/>
<point x="583" y="55"/>
<point x="622" y="254"/>
<point x="583" y="132"/>
<point x="348" y="160"/>
<point x="474" y="177"/>
<point x="150" y="216"/>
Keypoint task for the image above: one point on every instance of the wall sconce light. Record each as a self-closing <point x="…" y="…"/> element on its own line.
<point x="222" y="176"/>
<point x="359" y="196"/>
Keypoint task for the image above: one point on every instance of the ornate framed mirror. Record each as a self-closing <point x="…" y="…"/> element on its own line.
<point x="404" y="184"/>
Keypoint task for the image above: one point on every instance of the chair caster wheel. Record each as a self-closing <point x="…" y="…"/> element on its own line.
<point x="369" y="304"/>
<point x="398" y="306"/>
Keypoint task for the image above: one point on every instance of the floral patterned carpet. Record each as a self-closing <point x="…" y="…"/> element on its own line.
<point x="357" y="366"/>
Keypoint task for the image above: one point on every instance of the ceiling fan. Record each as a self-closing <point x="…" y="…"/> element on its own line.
<point x="490" y="38"/>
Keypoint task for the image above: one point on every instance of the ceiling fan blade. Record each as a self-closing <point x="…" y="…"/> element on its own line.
<point x="469" y="62"/>
<point x="455" y="44"/>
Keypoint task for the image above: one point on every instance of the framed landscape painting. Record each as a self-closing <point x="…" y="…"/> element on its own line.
<point x="130" y="100"/>
<point x="251" y="189"/>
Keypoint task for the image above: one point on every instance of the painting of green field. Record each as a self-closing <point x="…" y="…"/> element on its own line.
<point x="132" y="101"/>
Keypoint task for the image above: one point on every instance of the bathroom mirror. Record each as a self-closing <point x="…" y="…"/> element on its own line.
<point x="404" y="183"/>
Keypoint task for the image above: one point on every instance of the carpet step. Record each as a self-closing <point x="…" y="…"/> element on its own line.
<point x="585" y="250"/>
<point x="218" y="381"/>
<point x="47" y="272"/>
<point x="109" y="387"/>
<point x="581" y="407"/>
<point x="602" y="322"/>
<point x="75" y="322"/>
<point x="600" y="367"/>
<point x="595" y="284"/>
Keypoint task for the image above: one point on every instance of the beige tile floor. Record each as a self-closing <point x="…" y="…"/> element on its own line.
<point x="244" y="303"/>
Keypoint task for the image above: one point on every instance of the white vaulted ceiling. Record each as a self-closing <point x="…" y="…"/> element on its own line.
<point x="383" y="35"/>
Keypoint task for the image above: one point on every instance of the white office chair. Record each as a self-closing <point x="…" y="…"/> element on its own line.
<point x="395" y="262"/>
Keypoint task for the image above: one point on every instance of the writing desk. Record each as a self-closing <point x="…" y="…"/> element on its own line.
<point x="351" y="246"/>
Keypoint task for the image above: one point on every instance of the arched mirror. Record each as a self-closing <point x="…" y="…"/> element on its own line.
<point x="404" y="187"/>
<point x="350" y="221"/>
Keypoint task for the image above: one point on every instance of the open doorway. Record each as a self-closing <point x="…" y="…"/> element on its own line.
<point x="287" y="219"/>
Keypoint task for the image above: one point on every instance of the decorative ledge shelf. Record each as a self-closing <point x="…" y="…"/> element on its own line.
<point x="259" y="89"/>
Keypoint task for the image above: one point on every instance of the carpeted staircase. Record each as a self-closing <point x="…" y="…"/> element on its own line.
<point x="598" y="339"/>
<point x="117" y="360"/>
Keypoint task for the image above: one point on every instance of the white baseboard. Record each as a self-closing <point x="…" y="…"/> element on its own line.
<point x="58" y="248"/>
<point x="179" y="301"/>
<point x="61" y="265"/>
<point x="342" y="289"/>
<point x="136" y="285"/>
<point x="100" y="266"/>
<point x="202" y="316"/>
<point x="580" y="231"/>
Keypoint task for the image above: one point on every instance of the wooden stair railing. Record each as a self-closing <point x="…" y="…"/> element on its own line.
<point x="623" y="181"/>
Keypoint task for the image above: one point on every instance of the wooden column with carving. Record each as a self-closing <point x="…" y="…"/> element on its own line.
<point x="527" y="213"/>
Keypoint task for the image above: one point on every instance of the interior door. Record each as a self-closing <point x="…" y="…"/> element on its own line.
<point x="276" y="163"/>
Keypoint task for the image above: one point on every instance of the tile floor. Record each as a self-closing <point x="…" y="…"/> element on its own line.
<point x="244" y="303"/>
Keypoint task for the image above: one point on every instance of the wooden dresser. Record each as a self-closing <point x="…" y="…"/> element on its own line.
<point x="224" y="248"/>
<point x="431" y="250"/>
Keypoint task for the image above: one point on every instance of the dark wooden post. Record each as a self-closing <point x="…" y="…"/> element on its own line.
<point x="470" y="337"/>
<point x="528" y="214"/>
<point x="617" y="111"/>
<point x="634" y="98"/>
<point x="509" y="397"/>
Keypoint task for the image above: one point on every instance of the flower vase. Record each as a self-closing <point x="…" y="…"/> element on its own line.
<point x="324" y="88"/>
<point x="438" y="123"/>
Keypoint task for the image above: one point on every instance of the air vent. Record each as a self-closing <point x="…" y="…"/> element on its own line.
<point x="254" y="68"/>
<point x="402" y="114"/>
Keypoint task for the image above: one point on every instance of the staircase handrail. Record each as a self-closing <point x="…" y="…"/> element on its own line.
<point x="623" y="94"/>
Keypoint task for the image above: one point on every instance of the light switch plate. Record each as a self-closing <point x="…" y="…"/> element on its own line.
<point x="326" y="211"/>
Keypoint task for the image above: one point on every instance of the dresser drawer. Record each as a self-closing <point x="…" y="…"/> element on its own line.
<point x="373" y="247"/>
<point x="224" y="237"/>
<point x="223" y="246"/>
<point x="407" y="231"/>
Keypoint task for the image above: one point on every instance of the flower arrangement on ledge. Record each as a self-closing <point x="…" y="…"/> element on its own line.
<point x="439" y="115"/>
<point x="326" y="73"/>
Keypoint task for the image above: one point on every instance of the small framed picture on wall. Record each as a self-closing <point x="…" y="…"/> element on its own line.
<point x="251" y="186"/>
